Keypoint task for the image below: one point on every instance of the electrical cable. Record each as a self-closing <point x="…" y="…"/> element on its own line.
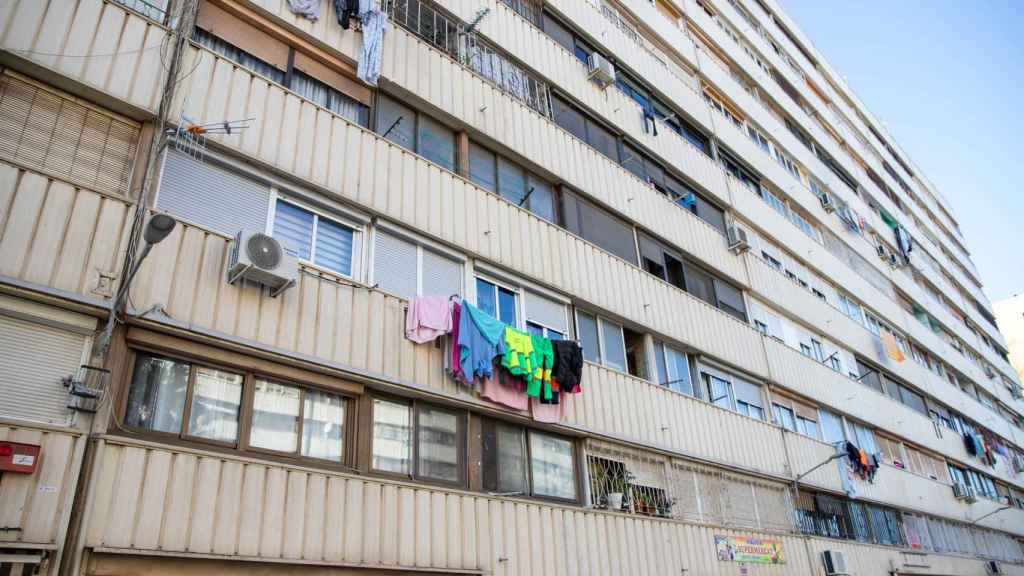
<point x="63" y="55"/>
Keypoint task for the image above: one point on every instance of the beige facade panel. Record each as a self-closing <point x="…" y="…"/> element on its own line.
<point x="152" y="499"/>
<point x="60" y="236"/>
<point x="33" y="507"/>
<point x="97" y="43"/>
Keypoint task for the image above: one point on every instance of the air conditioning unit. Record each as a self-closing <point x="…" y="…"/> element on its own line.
<point x="827" y="203"/>
<point x="601" y="70"/>
<point x="260" y="258"/>
<point x="993" y="567"/>
<point x="835" y="562"/>
<point x="738" y="240"/>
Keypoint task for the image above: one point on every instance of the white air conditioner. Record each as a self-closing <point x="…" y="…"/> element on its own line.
<point x="601" y="70"/>
<point x="827" y="203"/>
<point x="738" y="239"/>
<point x="835" y="562"/>
<point x="260" y="258"/>
<point x="993" y="567"/>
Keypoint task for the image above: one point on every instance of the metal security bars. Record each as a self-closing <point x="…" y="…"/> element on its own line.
<point x="447" y="34"/>
<point x="634" y="482"/>
<point x="155" y="10"/>
<point x="529" y="9"/>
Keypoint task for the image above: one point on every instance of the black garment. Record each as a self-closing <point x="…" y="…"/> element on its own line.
<point x="969" y="445"/>
<point x="346" y="10"/>
<point x="568" y="368"/>
<point x="853" y="454"/>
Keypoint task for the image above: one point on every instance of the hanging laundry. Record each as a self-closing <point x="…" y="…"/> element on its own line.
<point x="547" y="413"/>
<point x="453" y="353"/>
<point x="892" y="348"/>
<point x="480" y="340"/>
<point x="308" y="9"/>
<point x="505" y="389"/>
<point x="345" y="10"/>
<point x="427" y="318"/>
<point x="845" y="475"/>
<point x="539" y="383"/>
<point x="374" y="23"/>
<point x="969" y="445"/>
<point x="568" y="365"/>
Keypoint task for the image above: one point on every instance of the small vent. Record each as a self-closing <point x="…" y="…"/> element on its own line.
<point x="264" y="251"/>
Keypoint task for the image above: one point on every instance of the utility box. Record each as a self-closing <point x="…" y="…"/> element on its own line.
<point x="18" y="457"/>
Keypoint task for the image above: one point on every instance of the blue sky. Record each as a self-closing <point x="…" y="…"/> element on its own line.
<point x="946" y="77"/>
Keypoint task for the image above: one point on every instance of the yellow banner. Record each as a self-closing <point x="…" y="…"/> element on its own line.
<point x="752" y="550"/>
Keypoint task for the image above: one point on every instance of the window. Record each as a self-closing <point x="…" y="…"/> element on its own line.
<point x="323" y="95"/>
<point x="784" y="417"/>
<point x="418" y="440"/>
<point x="661" y="262"/>
<point x="407" y="269"/>
<point x="864" y="438"/>
<point x="498" y="301"/>
<point x="598" y="226"/>
<point x="314" y="238"/>
<point x="807" y="427"/>
<point x="732" y="393"/>
<point x="517" y="460"/>
<point x="913" y="399"/>
<point x="545" y="316"/>
<point x="819" y="352"/>
<point x="297" y="421"/>
<point x="604" y="341"/>
<point x="583" y="127"/>
<point x="276" y="72"/>
<point x="417" y="132"/>
<point x="774" y="263"/>
<point x="673" y="368"/>
<point x="870" y="376"/>
<point x="512" y="182"/>
<point x="198" y="402"/>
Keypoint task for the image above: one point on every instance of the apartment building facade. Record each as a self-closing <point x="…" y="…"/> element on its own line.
<point x="790" y="366"/>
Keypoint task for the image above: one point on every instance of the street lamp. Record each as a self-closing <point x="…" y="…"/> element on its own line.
<point x="157" y="228"/>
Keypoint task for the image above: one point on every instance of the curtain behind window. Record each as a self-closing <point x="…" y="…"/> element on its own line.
<point x="322" y="94"/>
<point x="231" y="52"/>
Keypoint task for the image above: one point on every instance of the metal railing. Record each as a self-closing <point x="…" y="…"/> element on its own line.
<point x="155" y="10"/>
<point x="449" y="35"/>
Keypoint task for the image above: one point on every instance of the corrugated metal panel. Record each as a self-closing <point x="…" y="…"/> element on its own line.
<point x="212" y="196"/>
<point x="35" y="357"/>
<point x="49" y="131"/>
<point x="35" y="502"/>
<point x="394" y="265"/>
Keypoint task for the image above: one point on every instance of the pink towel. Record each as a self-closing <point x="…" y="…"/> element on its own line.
<point x="505" y="390"/>
<point x="428" y="317"/>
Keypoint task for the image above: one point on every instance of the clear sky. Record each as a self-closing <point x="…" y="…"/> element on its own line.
<point x="946" y="78"/>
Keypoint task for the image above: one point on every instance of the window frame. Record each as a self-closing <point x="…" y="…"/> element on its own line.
<point x="358" y="232"/>
<point x="414" y="405"/>
<point x="527" y="433"/>
<point x="601" y="346"/>
<point x="246" y="409"/>
<point x="422" y="246"/>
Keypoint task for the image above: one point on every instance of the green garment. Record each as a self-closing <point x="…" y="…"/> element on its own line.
<point x="519" y="355"/>
<point x="544" y="361"/>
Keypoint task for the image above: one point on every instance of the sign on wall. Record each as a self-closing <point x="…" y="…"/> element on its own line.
<point x="753" y="550"/>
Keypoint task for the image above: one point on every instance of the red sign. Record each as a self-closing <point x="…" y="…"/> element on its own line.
<point x="18" y="457"/>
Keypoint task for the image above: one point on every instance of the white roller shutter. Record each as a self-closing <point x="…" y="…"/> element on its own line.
<point x="35" y="357"/>
<point x="546" y="312"/>
<point x="441" y="276"/>
<point x="212" y="196"/>
<point x="60" y="135"/>
<point x="394" y="265"/>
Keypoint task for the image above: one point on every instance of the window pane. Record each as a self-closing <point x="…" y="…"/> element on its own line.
<point x="678" y="371"/>
<point x="275" y="417"/>
<point x="437" y="143"/>
<point x="507" y="306"/>
<point x="504" y="458"/>
<point x="633" y="161"/>
<point x="511" y="181"/>
<point x="700" y="284"/>
<point x="392" y="437"/>
<point x="293" y="227"/>
<point x="482" y="167"/>
<point x="710" y="213"/>
<point x="568" y="118"/>
<point x="542" y="199"/>
<point x="659" y="359"/>
<point x="614" y="345"/>
<point x="603" y="140"/>
<point x="157" y="397"/>
<point x="551" y="460"/>
<point x="784" y="417"/>
<point x="404" y="132"/>
<point x="216" y="400"/>
<point x="718" y="392"/>
<point x="437" y="450"/>
<point x="588" y="335"/>
<point x="730" y="300"/>
<point x="607" y="231"/>
<point x="326" y="96"/>
<point x="334" y="244"/>
<point x="487" y="297"/>
<point x="323" y="426"/>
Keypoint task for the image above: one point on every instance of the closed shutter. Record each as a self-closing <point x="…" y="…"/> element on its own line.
<point x="61" y="136"/>
<point x="441" y="276"/>
<point x="35" y="357"/>
<point x="394" y="265"/>
<point x="546" y="312"/>
<point x="211" y="196"/>
<point x="747" y="392"/>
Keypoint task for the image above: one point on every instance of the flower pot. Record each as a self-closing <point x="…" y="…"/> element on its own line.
<point x="615" y="500"/>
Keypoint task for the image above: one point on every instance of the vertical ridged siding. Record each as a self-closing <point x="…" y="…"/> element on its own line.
<point x="97" y="43"/>
<point x="34" y="503"/>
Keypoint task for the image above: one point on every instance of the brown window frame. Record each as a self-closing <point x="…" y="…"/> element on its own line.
<point x="415" y="405"/>
<point x="245" y="413"/>
<point x="486" y="424"/>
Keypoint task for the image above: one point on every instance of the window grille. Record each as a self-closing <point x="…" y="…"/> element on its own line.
<point x="446" y="34"/>
<point x="626" y="480"/>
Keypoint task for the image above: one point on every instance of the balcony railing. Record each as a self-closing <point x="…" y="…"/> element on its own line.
<point x="449" y="35"/>
<point x="155" y="10"/>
